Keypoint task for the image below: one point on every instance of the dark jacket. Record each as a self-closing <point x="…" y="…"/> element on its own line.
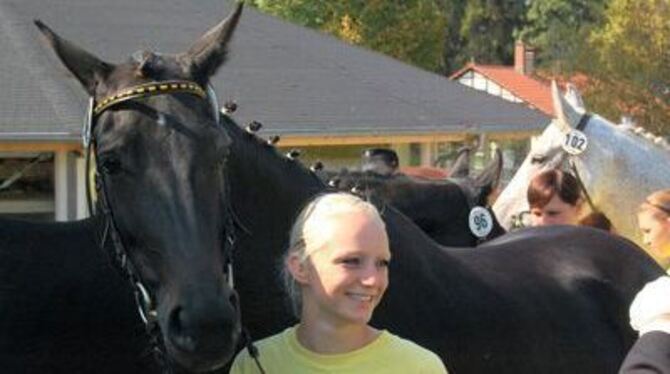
<point x="649" y="355"/>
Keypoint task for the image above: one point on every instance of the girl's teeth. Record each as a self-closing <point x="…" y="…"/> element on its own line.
<point x="361" y="297"/>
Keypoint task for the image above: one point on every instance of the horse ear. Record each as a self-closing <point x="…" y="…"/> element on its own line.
<point x="567" y="117"/>
<point x="88" y="69"/>
<point x="573" y="96"/>
<point x="488" y="180"/>
<point x="209" y="52"/>
<point x="461" y="166"/>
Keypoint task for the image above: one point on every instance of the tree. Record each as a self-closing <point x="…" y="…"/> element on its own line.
<point x="487" y="31"/>
<point x="632" y="50"/>
<point x="410" y="30"/>
<point x="558" y="29"/>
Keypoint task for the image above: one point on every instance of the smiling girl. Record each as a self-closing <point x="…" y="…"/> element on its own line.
<point x="335" y="273"/>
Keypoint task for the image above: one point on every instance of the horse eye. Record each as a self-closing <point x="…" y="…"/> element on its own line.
<point x="538" y="159"/>
<point x="110" y="165"/>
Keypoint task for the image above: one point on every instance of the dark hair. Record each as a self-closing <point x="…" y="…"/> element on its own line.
<point x="598" y="220"/>
<point x="548" y="183"/>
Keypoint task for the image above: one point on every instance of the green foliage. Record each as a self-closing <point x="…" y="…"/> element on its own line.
<point x="558" y="29"/>
<point x="486" y="31"/>
<point x="632" y="51"/>
<point x="409" y="30"/>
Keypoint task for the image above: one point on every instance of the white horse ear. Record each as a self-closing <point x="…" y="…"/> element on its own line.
<point x="573" y="97"/>
<point x="567" y="117"/>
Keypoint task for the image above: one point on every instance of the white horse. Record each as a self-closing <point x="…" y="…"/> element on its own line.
<point x="619" y="165"/>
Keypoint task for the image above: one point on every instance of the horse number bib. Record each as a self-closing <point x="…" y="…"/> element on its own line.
<point x="480" y="221"/>
<point x="575" y="142"/>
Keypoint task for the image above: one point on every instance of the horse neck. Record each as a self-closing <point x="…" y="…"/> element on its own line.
<point x="267" y="189"/>
<point x="619" y="169"/>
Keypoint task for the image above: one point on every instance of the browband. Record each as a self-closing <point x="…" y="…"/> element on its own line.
<point x="149" y="89"/>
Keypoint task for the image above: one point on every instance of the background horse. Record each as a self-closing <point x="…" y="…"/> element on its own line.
<point x="619" y="167"/>
<point x="163" y="217"/>
<point x="439" y="208"/>
<point x="544" y="300"/>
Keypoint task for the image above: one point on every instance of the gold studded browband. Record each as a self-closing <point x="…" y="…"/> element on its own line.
<point x="149" y="89"/>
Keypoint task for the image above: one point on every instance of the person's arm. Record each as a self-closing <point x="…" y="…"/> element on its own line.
<point x="650" y="315"/>
<point x="649" y="355"/>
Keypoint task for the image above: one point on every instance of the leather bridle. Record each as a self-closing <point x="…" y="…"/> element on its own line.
<point x="145" y="302"/>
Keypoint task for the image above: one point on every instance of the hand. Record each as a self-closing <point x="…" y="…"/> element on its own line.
<point x="650" y="310"/>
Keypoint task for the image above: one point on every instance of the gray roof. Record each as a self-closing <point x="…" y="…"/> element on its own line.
<point x="296" y="81"/>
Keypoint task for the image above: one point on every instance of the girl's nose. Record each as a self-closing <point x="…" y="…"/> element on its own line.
<point x="372" y="275"/>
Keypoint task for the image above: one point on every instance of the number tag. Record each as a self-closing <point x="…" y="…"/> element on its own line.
<point x="575" y="142"/>
<point x="480" y="221"/>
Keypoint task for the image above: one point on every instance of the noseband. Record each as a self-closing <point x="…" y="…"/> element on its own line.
<point x="145" y="303"/>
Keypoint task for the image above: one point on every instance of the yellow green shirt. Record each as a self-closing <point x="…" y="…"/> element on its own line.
<point x="387" y="354"/>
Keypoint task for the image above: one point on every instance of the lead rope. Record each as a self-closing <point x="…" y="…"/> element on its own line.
<point x="581" y="126"/>
<point x="252" y="349"/>
<point x="587" y="197"/>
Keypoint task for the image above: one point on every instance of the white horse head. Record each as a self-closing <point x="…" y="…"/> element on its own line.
<point x="619" y="167"/>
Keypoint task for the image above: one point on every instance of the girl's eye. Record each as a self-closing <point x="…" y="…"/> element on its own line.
<point x="384" y="263"/>
<point x="351" y="261"/>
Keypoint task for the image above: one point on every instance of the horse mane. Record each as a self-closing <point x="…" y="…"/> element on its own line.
<point x="639" y="132"/>
<point x="265" y="152"/>
<point x="655" y="140"/>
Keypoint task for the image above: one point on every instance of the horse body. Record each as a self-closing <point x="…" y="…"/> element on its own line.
<point x="619" y="168"/>
<point x="64" y="308"/>
<point x="543" y="300"/>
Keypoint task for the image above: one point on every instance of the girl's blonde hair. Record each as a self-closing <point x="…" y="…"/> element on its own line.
<point x="659" y="202"/>
<point x="308" y="235"/>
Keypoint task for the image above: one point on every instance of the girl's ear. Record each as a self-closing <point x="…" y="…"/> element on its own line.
<point x="298" y="268"/>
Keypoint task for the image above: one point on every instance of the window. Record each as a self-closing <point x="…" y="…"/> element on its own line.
<point x="27" y="186"/>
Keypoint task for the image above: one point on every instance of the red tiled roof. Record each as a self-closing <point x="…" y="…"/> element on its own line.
<point x="533" y="91"/>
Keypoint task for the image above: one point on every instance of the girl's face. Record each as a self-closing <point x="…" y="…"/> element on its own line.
<point x="343" y="282"/>
<point x="655" y="228"/>
<point x="556" y="212"/>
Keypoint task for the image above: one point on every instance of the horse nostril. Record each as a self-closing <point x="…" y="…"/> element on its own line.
<point x="185" y="343"/>
<point x="178" y="333"/>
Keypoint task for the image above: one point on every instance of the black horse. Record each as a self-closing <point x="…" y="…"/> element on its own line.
<point x="441" y="208"/>
<point x="542" y="300"/>
<point x="163" y="217"/>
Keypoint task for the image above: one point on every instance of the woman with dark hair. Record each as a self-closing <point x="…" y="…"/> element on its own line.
<point x="554" y="198"/>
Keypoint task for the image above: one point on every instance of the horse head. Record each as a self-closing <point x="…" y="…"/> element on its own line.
<point x="160" y="155"/>
<point x="620" y="165"/>
<point x="482" y="188"/>
<point x="440" y="207"/>
<point x="545" y="153"/>
<point x="617" y="166"/>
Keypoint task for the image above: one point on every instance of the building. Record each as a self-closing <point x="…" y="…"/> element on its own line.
<point x="313" y="90"/>
<point x="513" y="83"/>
